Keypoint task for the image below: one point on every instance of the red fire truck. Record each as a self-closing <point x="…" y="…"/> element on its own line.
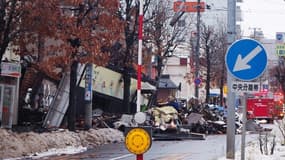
<point x="265" y="108"/>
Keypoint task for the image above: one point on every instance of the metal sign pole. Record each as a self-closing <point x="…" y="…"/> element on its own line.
<point x="139" y="156"/>
<point x="230" y="121"/>
<point x="139" y="70"/>
<point x="244" y="119"/>
<point x="230" y="151"/>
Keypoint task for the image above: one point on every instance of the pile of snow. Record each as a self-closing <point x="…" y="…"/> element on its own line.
<point x="252" y="149"/>
<point x="14" y="144"/>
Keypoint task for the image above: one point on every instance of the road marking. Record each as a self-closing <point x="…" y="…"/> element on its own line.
<point x="123" y="156"/>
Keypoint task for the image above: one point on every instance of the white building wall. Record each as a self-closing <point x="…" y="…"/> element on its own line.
<point x="217" y="15"/>
<point x="177" y="74"/>
<point x="269" y="45"/>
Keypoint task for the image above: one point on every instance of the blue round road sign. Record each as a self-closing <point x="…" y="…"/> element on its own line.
<point x="197" y="81"/>
<point x="246" y="59"/>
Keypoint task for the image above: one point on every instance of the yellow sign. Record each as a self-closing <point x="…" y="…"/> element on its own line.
<point x="138" y="141"/>
<point x="225" y="89"/>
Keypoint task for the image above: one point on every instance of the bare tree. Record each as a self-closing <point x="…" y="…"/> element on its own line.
<point x="279" y="73"/>
<point x="207" y="42"/>
<point x="11" y="13"/>
<point x="214" y="46"/>
<point x="160" y="36"/>
<point x="219" y="52"/>
<point x="163" y="37"/>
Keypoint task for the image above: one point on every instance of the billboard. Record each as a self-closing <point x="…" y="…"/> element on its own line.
<point x="110" y="83"/>
<point x="180" y="6"/>
<point x="11" y="69"/>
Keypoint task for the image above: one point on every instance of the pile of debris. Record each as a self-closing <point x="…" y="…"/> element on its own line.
<point x="203" y="119"/>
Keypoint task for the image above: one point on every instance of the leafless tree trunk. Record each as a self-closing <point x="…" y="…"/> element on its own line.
<point x="267" y="143"/>
<point x="214" y="43"/>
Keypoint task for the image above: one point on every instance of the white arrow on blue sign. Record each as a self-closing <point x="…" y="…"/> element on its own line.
<point x="246" y="59"/>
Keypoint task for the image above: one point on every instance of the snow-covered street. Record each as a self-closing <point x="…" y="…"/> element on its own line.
<point x="34" y="145"/>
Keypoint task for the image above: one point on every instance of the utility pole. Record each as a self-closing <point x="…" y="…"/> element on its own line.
<point x="197" y="53"/>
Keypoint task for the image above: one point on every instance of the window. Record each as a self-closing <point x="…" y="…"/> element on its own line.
<point x="183" y="61"/>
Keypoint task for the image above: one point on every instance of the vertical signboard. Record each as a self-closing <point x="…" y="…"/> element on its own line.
<point x="6" y="105"/>
<point x="10" y="69"/>
<point x="88" y="82"/>
<point x="280" y="43"/>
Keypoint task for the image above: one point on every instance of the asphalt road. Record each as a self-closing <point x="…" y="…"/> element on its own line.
<point x="213" y="148"/>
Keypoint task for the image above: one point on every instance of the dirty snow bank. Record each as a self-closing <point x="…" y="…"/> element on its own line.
<point x="252" y="149"/>
<point x="14" y="144"/>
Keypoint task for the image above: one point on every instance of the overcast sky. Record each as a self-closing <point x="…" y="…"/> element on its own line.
<point x="267" y="15"/>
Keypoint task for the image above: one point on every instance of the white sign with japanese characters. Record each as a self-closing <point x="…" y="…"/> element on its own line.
<point x="245" y="86"/>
